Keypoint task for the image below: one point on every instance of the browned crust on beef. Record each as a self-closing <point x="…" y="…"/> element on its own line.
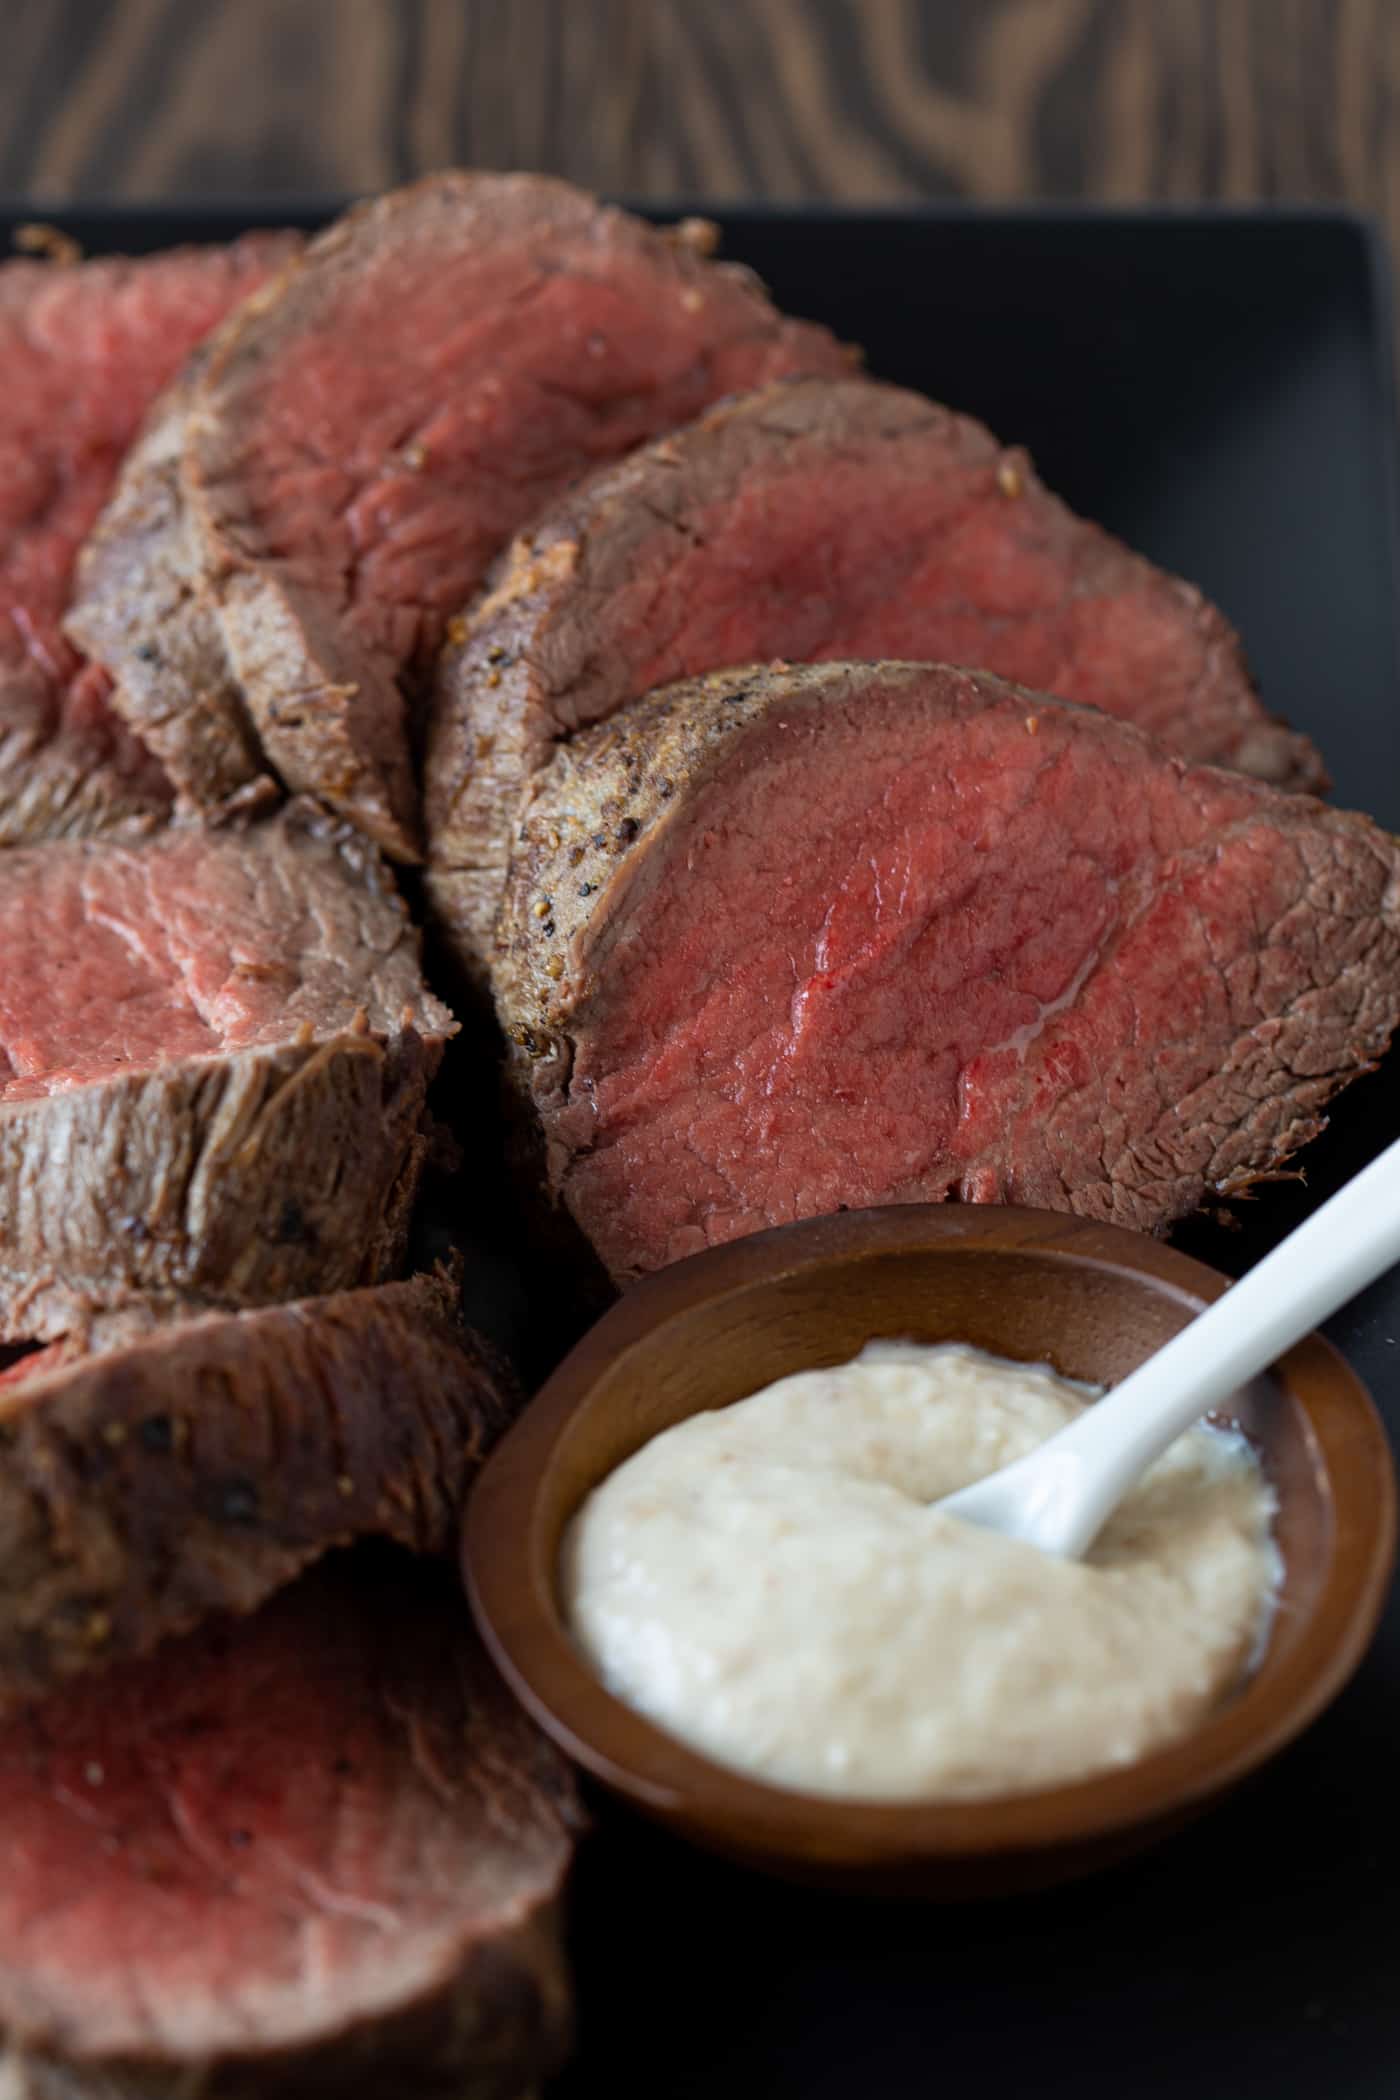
<point x="159" y="576"/>
<point x="139" y="603"/>
<point x="590" y="818"/>
<point x="264" y="1175"/>
<point x="593" y="817"/>
<point x="527" y="673"/>
<point x="198" y="1469"/>
<point x="497" y="692"/>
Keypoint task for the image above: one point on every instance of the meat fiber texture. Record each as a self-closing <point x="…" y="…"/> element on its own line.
<point x="85" y="349"/>
<point x="780" y="942"/>
<point x="280" y="563"/>
<point x="315" y="1851"/>
<point x="198" y="1467"/>
<point x="214" y="1055"/>
<point x="815" y="519"/>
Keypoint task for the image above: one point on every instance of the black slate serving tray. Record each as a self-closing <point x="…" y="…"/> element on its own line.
<point x="1217" y="387"/>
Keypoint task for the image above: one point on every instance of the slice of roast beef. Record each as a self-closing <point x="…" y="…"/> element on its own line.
<point x="315" y="1851"/>
<point x="199" y="1467"/>
<point x="812" y="520"/>
<point x="784" y="941"/>
<point x="367" y="434"/>
<point x="85" y="349"/>
<point x="214" y="1052"/>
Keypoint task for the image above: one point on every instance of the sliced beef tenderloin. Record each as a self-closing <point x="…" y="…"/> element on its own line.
<point x="367" y="434"/>
<point x="812" y="520"/>
<point x="214" y="1053"/>
<point x="782" y="941"/>
<point x="85" y="348"/>
<point x="319" y="1850"/>
<point x="199" y="1467"/>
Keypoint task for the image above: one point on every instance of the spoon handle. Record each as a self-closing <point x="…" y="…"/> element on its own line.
<point x="1085" y="1470"/>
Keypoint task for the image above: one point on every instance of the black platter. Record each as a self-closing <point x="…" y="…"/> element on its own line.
<point x="1217" y="387"/>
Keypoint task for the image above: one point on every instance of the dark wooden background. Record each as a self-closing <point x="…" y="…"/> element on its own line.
<point x="1099" y="99"/>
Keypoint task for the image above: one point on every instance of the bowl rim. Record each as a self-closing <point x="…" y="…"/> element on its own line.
<point x="513" y="1590"/>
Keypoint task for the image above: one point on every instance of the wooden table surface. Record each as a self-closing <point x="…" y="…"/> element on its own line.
<point x="855" y="99"/>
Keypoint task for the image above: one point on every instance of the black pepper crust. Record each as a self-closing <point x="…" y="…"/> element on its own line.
<point x="591" y="811"/>
<point x="201" y="1465"/>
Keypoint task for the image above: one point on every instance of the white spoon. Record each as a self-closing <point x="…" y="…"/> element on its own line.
<point x="1059" y="1496"/>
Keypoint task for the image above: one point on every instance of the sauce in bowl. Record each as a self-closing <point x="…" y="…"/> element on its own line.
<point x="770" y="1582"/>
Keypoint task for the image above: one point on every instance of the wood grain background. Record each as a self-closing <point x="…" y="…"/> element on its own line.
<point x="868" y="99"/>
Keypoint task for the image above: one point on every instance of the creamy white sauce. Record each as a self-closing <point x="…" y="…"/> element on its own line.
<point x="769" y="1582"/>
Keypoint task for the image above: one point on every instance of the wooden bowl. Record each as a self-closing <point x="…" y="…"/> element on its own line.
<point x="1091" y="1299"/>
